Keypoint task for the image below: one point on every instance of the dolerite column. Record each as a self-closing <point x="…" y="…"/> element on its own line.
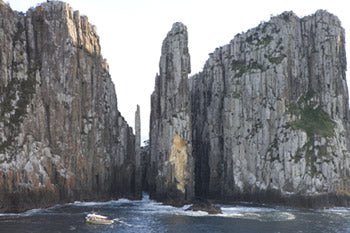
<point x="170" y="123"/>
<point x="138" y="184"/>
<point x="62" y="137"/>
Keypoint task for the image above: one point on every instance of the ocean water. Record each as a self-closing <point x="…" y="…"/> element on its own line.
<point x="150" y="216"/>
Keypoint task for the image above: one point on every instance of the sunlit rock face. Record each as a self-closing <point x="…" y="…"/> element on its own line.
<point x="62" y="137"/>
<point x="171" y="164"/>
<point x="269" y="115"/>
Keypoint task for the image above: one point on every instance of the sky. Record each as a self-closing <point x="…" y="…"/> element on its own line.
<point x="131" y="34"/>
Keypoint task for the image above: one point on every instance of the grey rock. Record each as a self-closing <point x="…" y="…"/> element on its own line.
<point x="145" y="166"/>
<point x="204" y="205"/>
<point x="138" y="169"/>
<point x="171" y="162"/>
<point x="62" y="137"/>
<point x="269" y="115"/>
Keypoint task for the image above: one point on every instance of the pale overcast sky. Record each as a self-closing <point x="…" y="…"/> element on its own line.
<point x="131" y="34"/>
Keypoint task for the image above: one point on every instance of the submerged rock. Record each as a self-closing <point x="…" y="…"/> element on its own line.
<point x="205" y="205"/>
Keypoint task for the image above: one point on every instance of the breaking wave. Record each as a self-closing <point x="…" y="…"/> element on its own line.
<point x="256" y="213"/>
<point x="338" y="211"/>
<point x="148" y="206"/>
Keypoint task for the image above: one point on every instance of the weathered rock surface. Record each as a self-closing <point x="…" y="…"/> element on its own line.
<point x="138" y="151"/>
<point x="171" y="172"/>
<point x="145" y="166"/>
<point x="205" y="205"/>
<point x="61" y="135"/>
<point x="270" y="115"/>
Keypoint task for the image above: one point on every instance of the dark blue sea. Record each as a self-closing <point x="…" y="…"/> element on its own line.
<point x="150" y="216"/>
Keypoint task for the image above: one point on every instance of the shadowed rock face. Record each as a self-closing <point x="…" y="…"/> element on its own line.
<point x="62" y="137"/>
<point x="269" y="115"/>
<point x="138" y="151"/>
<point x="171" y="164"/>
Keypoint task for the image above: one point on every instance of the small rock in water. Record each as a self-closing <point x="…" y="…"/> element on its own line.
<point x="205" y="205"/>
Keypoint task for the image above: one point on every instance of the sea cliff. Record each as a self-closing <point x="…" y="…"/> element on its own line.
<point x="62" y="137"/>
<point x="269" y="115"/>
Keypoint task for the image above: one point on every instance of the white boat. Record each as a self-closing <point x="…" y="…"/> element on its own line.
<point x="98" y="219"/>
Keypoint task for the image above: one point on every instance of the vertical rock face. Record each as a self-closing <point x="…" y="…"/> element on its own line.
<point x="270" y="116"/>
<point x="145" y="167"/>
<point x="170" y="134"/>
<point x="138" y="174"/>
<point x="61" y="135"/>
<point x="272" y="112"/>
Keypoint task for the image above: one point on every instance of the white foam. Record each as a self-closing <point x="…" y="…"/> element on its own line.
<point x="256" y="213"/>
<point x="26" y="213"/>
<point x="7" y="214"/>
<point x="98" y="203"/>
<point x="339" y="211"/>
<point x="122" y="200"/>
<point x="244" y="212"/>
<point x="246" y="209"/>
<point x="192" y="213"/>
<point x="92" y="203"/>
<point x="152" y="207"/>
<point x="32" y="212"/>
<point x="288" y="216"/>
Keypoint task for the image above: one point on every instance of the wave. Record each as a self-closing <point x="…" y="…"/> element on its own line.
<point x="30" y="212"/>
<point x="100" y="203"/>
<point x="243" y="212"/>
<point x="192" y="213"/>
<point x="51" y="209"/>
<point x="147" y="206"/>
<point x="87" y="204"/>
<point x="256" y="213"/>
<point x="247" y="209"/>
<point x="8" y="214"/>
<point x="34" y="212"/>
<point x="261" y="216"/>
<point x="338" y="211"/>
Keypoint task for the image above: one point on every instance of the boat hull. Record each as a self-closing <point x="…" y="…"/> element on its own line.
<point x="100" y="222"/>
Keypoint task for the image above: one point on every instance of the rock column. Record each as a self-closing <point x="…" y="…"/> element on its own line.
<point x="170" y="134"/>
<point x="138" y="183"/>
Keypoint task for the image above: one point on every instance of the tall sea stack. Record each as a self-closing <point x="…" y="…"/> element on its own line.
<point x="62" y="137"/>
<point x="269" y="115"/>
<point x="138" y="167"/>
<point x="171" y="164"/>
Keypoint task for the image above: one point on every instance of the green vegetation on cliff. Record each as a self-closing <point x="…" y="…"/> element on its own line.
<point x="314" y="121"/>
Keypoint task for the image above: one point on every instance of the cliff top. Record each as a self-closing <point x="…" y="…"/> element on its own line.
<point x="58" y="6"/>
<point x="177" y="28"/>
<point x="178" y="32"/>
<point x="6" y="4"/>
<point x="287" y="17"/>
<point x="61" y="11"/>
